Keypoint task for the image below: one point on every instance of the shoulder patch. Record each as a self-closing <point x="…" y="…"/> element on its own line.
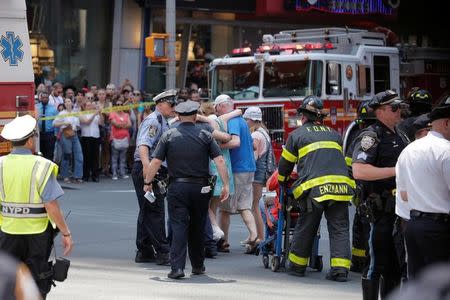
<point x="367" y="142"/>
<point x="152" y="130"/>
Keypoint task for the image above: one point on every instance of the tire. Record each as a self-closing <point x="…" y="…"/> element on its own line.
<point x="275" y="263"/>
<point x="265" y="260"/>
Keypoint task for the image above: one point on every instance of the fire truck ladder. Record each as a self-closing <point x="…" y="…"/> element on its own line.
<point x="335" y="35"/>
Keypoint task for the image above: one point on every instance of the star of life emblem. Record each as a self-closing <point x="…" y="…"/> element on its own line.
<point x="11" y="48"/>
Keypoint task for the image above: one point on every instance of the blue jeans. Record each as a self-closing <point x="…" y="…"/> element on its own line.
<point x="71" y="147"/>
<point x="121" y="156"/>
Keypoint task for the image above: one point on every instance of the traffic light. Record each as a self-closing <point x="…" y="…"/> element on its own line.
<point x="155" y="47"/>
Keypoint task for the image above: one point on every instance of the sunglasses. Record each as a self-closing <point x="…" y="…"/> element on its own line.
<point x="137" y="94"/>
<point x="90" y="98"/>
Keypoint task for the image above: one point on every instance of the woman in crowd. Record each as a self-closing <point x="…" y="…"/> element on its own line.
<point x="134" y="100"/>
<point x="120" y="140"/>
<point x="90" y="140"/>
<point x="104" y="101"/>
<point x="70" y="143"/>
<point x="262" y="149"/>
<point x="220" y="123"/>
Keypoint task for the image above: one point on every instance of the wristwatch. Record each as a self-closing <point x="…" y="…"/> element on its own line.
<point x="66" y="235"/>
<point x="147" y="183"/>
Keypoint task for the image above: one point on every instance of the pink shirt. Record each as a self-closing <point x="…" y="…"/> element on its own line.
<point x="119" y="118"/>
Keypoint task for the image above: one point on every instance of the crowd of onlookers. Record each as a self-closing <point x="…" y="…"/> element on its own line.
<point x="81" y="137"/>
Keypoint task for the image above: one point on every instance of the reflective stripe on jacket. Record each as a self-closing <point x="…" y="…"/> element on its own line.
<point x="22" y="181"/>
<point x="323" y="174"/>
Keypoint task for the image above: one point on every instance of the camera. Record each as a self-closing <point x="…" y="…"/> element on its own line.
<point x="60" y="269"/>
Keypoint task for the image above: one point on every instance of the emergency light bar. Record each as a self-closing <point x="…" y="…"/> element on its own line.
<point x="241" y="51"/>
<point x="277" y="48"/>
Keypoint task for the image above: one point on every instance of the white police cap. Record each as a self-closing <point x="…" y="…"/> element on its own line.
<point x="253" y="113"/>
<point x="166" y="96"/>
<point x="19" y="129"/>
<point x="187" y="108"/>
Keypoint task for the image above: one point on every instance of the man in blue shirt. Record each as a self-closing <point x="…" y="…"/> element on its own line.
<point x="46" y="130"/>
<point x="244" y="167"/>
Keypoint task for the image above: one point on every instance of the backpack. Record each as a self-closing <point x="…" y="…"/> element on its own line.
<point x="270" y="155"/>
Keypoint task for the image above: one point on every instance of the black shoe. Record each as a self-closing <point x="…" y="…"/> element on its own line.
<point x="85" y="179"/>
<point x="339" y="275"/>
<point x="144" y="257"/>
<point x="198" y="271"/>
<point x="176" y="274"/>
<point x="210" y="253"/>
<point x="94" y="179"/>
<point x="163" y="259"/>
<point x="370" y="288"/>
<point x="296" y="270"/>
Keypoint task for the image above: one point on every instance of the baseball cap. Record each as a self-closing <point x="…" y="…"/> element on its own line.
<point x="253" y="113"/>
<point x="442" y="111"/>
<point x="187" y="108"/>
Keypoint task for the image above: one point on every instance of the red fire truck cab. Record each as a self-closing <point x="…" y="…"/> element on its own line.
<point x="342" y="66"/>
<point x="16" y="69"/>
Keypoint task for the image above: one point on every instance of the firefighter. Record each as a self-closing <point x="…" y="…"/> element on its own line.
<point x="28" y="193"/>
<point x="419" y="102"/>
<point x="323" y="186"/>
<point x="374" y="157"/>
<point x="365" y="118"/>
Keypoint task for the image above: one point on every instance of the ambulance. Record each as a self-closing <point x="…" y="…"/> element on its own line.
<point x="342" y="66"/>
<point x="16" y="69"/>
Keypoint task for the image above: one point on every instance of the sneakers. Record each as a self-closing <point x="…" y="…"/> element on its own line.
<point x="115" y="177"/>
<point x="176" y="274"/>
<point x="339" y="275"/>
<point x="199" y="271"/>
<point x="67" y="180"/>
<point x="125" y="177"/>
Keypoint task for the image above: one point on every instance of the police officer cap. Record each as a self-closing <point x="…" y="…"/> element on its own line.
<point x="19" y="129"/>
<point x="442" y="111"/>
<point x="167" y="96"/>
<point x="187" y="108"/>
<point x="383" y="98"/>
<point x="422" y="122"/>
<point x="253" y="113"/>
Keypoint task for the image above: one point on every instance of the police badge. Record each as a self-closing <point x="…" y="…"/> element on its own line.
<point x="152" y="131"/>
<point x="367" y="142"/>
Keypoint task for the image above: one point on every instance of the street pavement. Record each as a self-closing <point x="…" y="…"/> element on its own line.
<point x="103" y="224"/>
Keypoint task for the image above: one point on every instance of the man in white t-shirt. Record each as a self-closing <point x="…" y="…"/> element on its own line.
<point x="423" y="180"/>
<point x="55" y="97"/>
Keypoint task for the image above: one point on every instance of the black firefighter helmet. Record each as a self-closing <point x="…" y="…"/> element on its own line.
<point x="312" y="107"/>
<point x="419" y="100"/>
<point x="365" y="114"/>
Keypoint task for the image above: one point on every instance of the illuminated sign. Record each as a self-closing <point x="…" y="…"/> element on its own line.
<point x="356" y="7"/>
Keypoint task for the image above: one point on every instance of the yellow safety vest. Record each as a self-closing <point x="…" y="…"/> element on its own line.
<point x="22" y="181"/>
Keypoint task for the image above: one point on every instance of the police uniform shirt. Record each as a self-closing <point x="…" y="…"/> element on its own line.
<point x="184" y="149"/>
<point x="379" y="146"/>
<point x="52" y="190"/>
<point x="150" y="132"/>
<point x="423" y="171"/>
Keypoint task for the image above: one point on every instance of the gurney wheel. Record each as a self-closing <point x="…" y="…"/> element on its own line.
<point x="265" y="260"/>
<point x="275" y="263"/>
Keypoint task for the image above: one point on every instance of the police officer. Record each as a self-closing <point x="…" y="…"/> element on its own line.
<point x="375" y="154"/>
<point x="28" y="193"/>
<point x="190" y="187"/>
<point x="151" y="229"/>
<point x="323" y="187"/>
<point x="419" y="102"/>
<point x="365" y="118"/>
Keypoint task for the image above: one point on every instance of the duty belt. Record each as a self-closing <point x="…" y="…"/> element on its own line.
<point x="23" y="210"/>
<point x="434" y="216"/>
<point x="199" y="180"/>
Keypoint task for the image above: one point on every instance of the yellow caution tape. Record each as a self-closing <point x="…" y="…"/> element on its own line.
<point x="103" y="111"/>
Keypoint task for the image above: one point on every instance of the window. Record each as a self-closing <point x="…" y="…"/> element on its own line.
<point x="381" y="74"/>
<point x="364" y="83"/>
<point x="334" y="86"/>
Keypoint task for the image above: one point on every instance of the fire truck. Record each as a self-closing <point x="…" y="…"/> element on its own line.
<point x="16" y="69"/>
<point x="342" y="66"/>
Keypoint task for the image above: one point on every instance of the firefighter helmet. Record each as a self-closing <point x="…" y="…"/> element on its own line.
<point x="419" y="95"/>
<point x="365" y="112"/>
<point x="313" y="106"/>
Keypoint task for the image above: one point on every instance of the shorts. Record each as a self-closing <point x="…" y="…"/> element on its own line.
<point x="243" y="194"/>
<point x="260" y="175"/>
